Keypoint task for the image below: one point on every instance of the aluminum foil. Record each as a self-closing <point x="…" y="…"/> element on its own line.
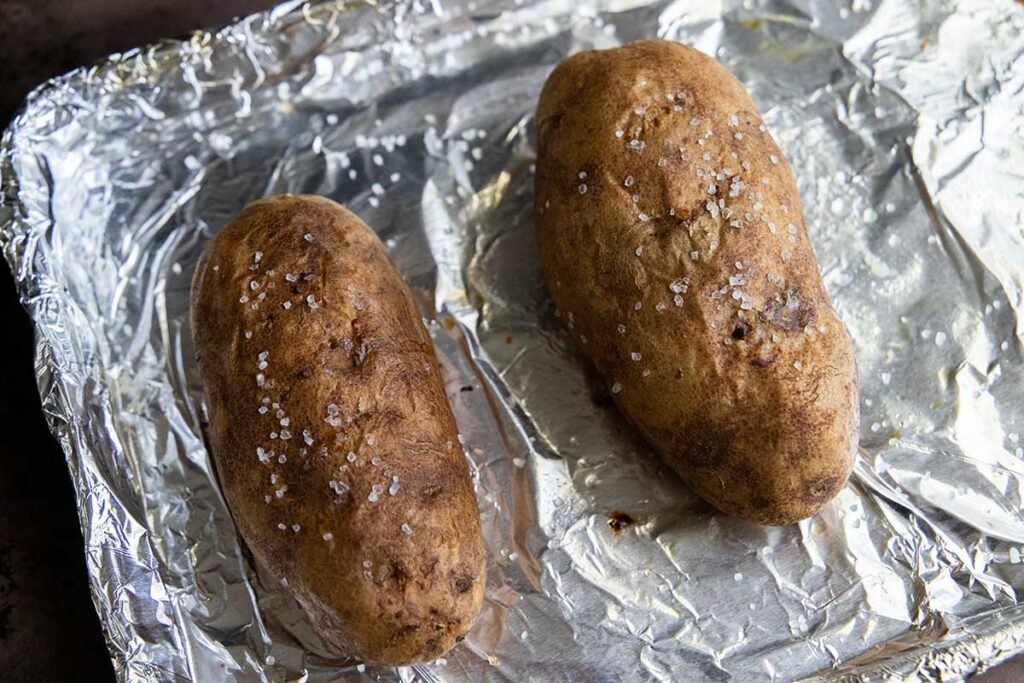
<point x="903" y="122"/>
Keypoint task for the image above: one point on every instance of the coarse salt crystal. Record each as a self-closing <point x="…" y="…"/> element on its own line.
<point x="375" y="493"/>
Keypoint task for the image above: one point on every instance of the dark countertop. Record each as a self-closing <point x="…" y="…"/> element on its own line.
<point x="46" y="613"/>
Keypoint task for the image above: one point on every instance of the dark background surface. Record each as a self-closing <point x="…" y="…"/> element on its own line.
<point x="49" y="630"/>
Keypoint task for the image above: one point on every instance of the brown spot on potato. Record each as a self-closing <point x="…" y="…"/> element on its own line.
<point x="429" y="566"/>
<point x="397" y="576"/>
<point x="549" y="127"/>
<point x="822" y="490"/>
<point x="790" y="310"/>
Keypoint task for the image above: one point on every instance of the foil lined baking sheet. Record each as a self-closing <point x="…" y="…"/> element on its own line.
<point x="903" y="122"/>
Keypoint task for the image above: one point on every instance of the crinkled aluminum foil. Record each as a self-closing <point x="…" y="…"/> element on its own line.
<point x="903" y="122"/>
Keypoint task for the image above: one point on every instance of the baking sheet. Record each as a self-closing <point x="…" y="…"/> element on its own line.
<point x="903" y="123"/>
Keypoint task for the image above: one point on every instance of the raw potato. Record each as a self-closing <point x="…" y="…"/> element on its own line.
<point x="674" y="246"/>
<point x="331" y="431"/>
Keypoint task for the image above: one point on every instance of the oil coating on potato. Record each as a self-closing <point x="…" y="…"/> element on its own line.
<point x="674" y="246"/>
<point x="331" y="432"/>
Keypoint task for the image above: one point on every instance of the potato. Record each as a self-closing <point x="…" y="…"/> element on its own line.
<point x="674" y="246"/>
<point x="331" y="432"/>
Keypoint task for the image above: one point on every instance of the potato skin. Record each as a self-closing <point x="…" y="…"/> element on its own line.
<point x="348" y="369"/>
<point x="708" y="320"/>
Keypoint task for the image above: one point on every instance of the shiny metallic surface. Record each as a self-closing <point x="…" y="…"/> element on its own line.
<point x="903" y="122"/>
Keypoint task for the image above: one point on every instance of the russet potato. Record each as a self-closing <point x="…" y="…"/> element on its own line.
<point x="331" y="432"/>
<point x="674" y="246"/>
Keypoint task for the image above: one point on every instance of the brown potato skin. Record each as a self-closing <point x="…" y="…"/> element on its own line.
<point x="364" y="349"/>
<point x="755" y="407"/>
